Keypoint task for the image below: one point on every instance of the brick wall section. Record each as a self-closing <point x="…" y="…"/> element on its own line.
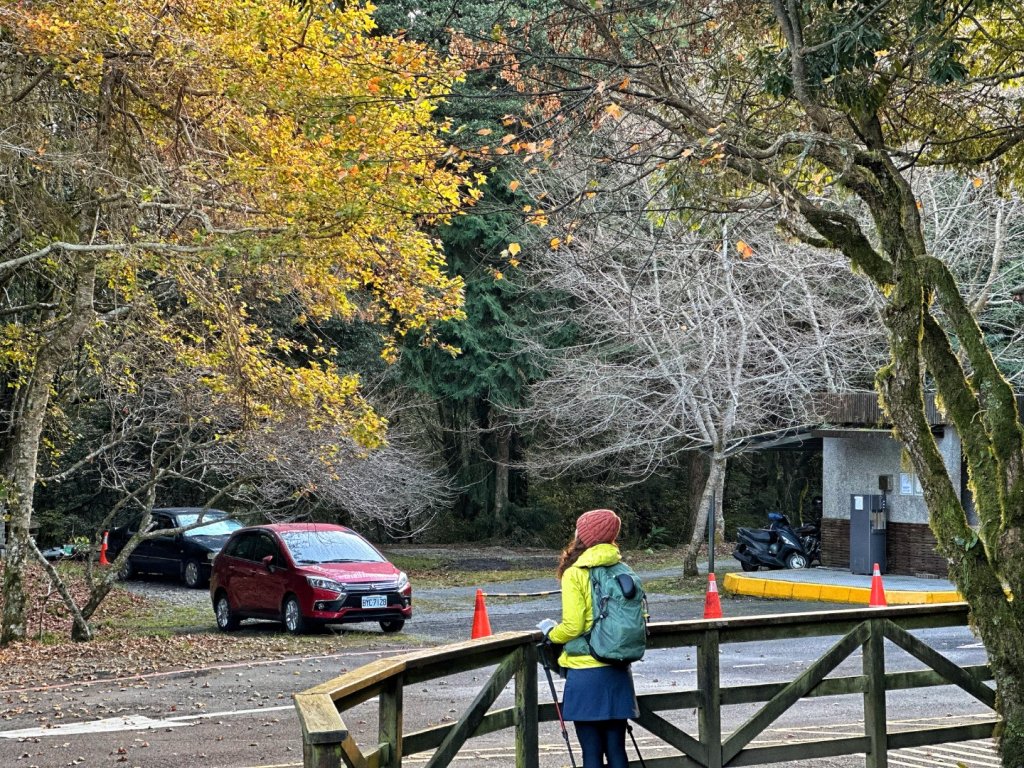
<point x="910" y="548"/>
<point x="835" y="543"/>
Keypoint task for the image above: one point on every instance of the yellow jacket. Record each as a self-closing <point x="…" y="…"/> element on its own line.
<point x="577" y="608"/>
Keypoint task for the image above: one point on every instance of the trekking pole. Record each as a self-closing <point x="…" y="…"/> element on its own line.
<point x="554" y="696"/>
<point x="636" y="746"/>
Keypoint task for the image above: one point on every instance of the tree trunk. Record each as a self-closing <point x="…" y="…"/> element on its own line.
<point x="23" y="450"/>
<point x="502" y="456"/>
<point x="713" y="487"/>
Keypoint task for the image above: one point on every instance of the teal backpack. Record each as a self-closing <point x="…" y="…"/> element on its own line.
<point x="619" y="633"/>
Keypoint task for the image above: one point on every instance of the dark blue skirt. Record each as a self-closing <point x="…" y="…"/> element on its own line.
<point x="599" y="693"/>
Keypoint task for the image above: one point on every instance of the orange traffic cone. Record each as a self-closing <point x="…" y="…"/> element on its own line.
<point x="481" y="624"/>
<point x="103" y="550"/>
<point x="712" y="606"/>
<point x="877" y="590"/>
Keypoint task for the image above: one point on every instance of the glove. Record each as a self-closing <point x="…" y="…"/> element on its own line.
<point x="546" y="626"/>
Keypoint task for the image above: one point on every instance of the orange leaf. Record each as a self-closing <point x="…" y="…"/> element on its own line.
<point x="745" y="250"/>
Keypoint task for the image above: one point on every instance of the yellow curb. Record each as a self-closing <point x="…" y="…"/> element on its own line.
<point x="806" y="591"/>
<point x="829" y="593"/>
<point x="781" y="589"/>
<point x="832" y="593"/>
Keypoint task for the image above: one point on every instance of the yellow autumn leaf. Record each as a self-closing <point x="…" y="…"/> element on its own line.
<point x="977" y="181"/>
<point x="513" y="185"/>
<point x="745" y="250"/>
<point x="484" y="132"/>
<point x="614" y="111"/>
<point x="514" y="248"/>
<point x="555" y="242"/>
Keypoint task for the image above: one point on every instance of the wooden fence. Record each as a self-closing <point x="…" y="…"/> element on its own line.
<point x="328" y="743"/>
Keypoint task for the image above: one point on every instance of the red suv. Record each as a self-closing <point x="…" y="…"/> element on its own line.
<point x="305" y="575"/>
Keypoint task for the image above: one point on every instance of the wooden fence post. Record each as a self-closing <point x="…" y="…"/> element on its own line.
<point x="709" y="684"/>
<point x="390" y="721"/>
<point x="323" y="731"/>
<point x="527" y="739"/>
<point x="874" y="696"/>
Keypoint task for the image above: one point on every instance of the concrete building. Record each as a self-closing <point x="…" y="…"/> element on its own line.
<point x="865" y="470"/>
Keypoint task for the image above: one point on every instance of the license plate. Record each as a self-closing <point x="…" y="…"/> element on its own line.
<point x="375" y="601"/>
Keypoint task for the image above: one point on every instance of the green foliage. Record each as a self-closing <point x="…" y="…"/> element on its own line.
<point x="759" y="482"/>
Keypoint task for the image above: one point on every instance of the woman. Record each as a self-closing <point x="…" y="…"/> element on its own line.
<point x="598" y="697"/>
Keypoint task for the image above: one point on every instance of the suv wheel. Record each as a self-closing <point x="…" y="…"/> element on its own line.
<point x="192" y="575"/>
<point x="126" y="571"/>
<point x="392" y="626"/>
<point x="291" y="615"/>
<point x="226" y="618"/>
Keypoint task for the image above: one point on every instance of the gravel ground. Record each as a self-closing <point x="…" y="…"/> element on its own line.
<point x="168" y="591"/>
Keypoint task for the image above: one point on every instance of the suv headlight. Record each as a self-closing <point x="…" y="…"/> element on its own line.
<point x="403" y="581"/>
<point x="316" y="582"/>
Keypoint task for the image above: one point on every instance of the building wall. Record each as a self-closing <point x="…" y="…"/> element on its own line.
<point x="851" y="465"/>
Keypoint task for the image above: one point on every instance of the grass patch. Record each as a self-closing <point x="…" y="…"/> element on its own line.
<point x="475" y="578"/>
<point x="161" y="618"/>
<point x="689" y="586"/>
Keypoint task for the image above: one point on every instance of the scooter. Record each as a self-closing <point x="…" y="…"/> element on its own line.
<point x="778" y="545"/>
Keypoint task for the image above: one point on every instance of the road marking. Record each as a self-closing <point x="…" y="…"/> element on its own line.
<point x="684" y="671"/>
<point x="108" y="725"/>
<point x="229" y="713"/>
<point x="747" y="666"/>
<point x="128" y="723"/>
<point x="970" y="646"/>
<point x="974" y="752"/>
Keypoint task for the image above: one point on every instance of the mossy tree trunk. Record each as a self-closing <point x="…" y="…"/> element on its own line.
<point x="986" y="565"/>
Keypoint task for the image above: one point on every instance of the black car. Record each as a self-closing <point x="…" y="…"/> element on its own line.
<point x="187" y="555"/>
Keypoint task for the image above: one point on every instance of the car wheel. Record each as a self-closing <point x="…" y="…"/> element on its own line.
<point x="796" y="561"/>
<point x="192" y="575"/>
<point x="748" y="567"/>
<point x="291" y="615"/>
<point x="392" y="626"/>
<point x="126" y="571"/>
<point x="226" y="618"/>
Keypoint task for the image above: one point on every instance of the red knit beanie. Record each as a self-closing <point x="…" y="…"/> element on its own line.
<point x="598" y="526"/>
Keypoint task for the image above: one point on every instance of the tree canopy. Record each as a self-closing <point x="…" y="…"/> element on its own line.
<point x="176" y="170"/>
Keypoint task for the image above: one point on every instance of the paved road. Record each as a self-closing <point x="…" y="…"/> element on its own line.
<point x="241" y="716"/>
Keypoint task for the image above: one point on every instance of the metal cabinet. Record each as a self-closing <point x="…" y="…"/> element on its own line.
<point x="868" y="518"/>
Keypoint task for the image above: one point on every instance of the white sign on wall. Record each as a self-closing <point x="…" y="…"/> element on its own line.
<point x="910" y="485"/>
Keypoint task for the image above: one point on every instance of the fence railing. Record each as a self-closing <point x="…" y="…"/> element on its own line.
<point x="328" y="743"/>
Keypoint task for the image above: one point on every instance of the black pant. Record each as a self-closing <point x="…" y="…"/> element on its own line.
<point x="600" y="739"/>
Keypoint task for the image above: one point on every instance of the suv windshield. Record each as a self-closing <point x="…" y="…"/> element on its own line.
<point x="310" y="547"/>
<point x="216" y="526"/>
